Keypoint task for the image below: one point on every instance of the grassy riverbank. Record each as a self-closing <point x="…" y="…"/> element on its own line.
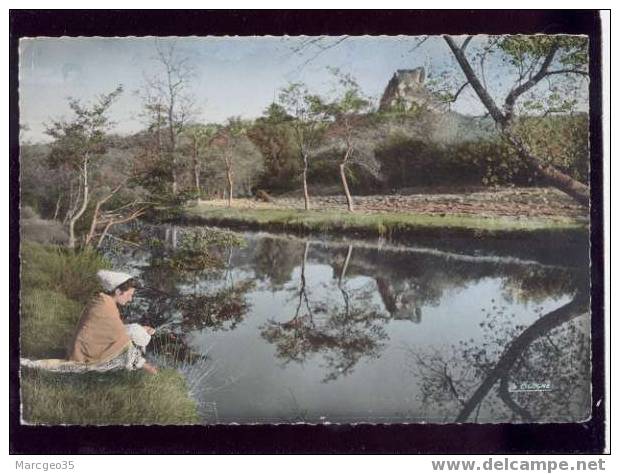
<point x="55" y="284"/>
<point x="392" y="224"/>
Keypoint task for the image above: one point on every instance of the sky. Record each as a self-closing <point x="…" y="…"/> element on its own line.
<point x="233" y="76"/>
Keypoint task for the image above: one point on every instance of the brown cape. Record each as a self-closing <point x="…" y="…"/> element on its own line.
<point x="100" y="335"/>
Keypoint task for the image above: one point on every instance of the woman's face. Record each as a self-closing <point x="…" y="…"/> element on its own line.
<point x="124" y="297"/>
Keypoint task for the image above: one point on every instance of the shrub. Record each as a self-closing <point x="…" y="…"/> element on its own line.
<point x="72" y="274"/>
<point x="561" y="141"/>
<point x="408" y="162"/>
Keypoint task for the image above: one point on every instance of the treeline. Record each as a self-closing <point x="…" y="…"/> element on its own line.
<point x="90" y="180"/>
<point x="265" y="157"/>
<point x="267" y="160"/>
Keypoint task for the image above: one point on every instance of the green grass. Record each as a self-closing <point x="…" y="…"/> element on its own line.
<point x="61" y="270"/>
<point x="375" y="224"/>
<point x="106" y="399"/>
<point x="48" y="320"/>
<point x="55" y="285"/>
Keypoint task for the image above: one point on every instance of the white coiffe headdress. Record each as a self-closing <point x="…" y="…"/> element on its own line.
<point x="111" y="280"/>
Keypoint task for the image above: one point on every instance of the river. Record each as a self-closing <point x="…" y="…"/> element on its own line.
<point x="328" y="330"/>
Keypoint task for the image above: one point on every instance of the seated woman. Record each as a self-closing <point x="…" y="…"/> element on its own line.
<point x="101" y="339"/>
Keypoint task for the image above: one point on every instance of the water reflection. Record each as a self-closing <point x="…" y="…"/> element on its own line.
<point x="539" y="372"/>
<point x="351" y="331"/>
<point x="342" y="332"/>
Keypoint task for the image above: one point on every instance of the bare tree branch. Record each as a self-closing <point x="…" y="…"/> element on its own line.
<point x="514" y="94"/>
<point x="100" y="202"/>
<point x="419" y="42"/>
<point x="322" y="48"/>
<point x="472" y="79"/>
<point x="466" y="43"/>
<point x="112" y="221"/>
<point x="568" y="71"/>
<point x="458" y="92"/>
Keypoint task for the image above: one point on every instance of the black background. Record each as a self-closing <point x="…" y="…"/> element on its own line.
<point x="587" y="437"/>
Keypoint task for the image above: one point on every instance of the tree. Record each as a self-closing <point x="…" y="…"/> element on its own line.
<point x="308" y="125"/>
<point x="558" y="62"/>
<point x="236" y="152"/>
<point x="538" y="60"/>
<point x="169" y="104"/>
<point x="77" y="143"/>
<point x="349" y="123"/>
<point x="272" y="134"/>
<point x="200" y="137"/>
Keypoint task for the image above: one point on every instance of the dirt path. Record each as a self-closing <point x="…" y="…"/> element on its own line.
<point x="512" y="202"/>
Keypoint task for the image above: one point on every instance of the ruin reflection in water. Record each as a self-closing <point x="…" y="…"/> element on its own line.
<point x="316" y="331"/>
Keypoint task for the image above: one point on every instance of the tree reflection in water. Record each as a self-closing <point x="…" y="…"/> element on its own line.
<point x="273" y="260"/>
<point x="345" y="333"/>
<point x="189" y="283"/>
<point x="518" y="362"/>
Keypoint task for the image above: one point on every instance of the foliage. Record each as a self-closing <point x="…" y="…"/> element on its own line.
<point x="232" y="155"/>
<point x="41" y="185"/>
<point x="273" y="135"/>
<point x="561" y="140"/>
<point x="549" y="73"/>
<point x="521" y="49"/>
<point x="307" y="116"/>
<point x="195" y="142"/>
<point x="349" y="127"/>
<point x="546" y="71"/>
<point x="27" y="212"/>
<point x="361" y="180"/>
<point x="77" y="145"/>
<point x="155" y="178"/>
<point x="223" y="310"/>
<point x="308" y="122"/>
<point x="413" y="162"/>
<point x="301" y="137"/>
<point x="168" y="106"/>
<point x="198" y="250"/>
<point x="349" y="100"/>
<point x="82" y="136"/>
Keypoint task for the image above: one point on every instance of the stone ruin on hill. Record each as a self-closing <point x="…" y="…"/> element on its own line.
<point x="406" y="90"/>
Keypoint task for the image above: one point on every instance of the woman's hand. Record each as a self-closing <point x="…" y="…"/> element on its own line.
<point x="151" y="369"/>
<point x="150" y="331"/>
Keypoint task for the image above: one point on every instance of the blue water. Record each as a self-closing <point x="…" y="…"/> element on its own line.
<point x="341" y="331"/>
